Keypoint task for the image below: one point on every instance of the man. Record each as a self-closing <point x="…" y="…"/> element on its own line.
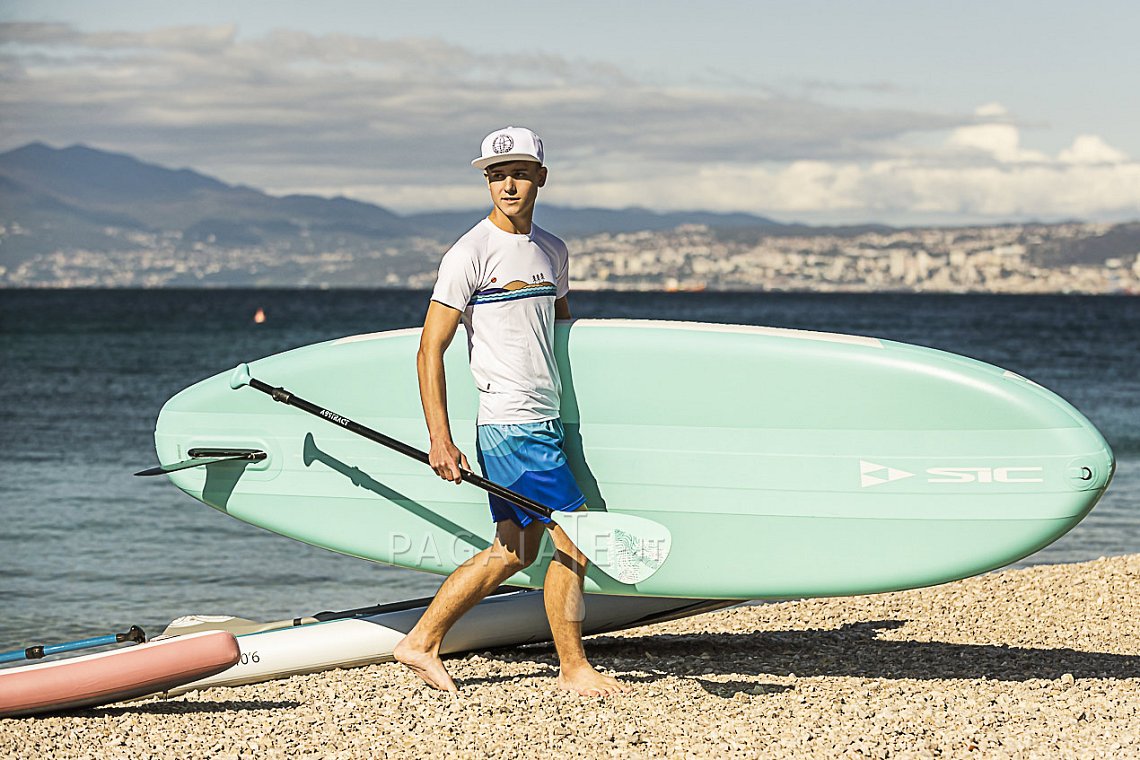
<point x="507" y="281"/>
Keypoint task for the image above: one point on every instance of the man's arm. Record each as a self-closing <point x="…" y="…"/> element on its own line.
<point x="439" y="328"/>
<point x="562" y="308"/>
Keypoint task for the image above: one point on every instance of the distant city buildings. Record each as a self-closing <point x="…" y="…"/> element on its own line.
<point x="1003" y="259"/>
<point x="956" y="260"/>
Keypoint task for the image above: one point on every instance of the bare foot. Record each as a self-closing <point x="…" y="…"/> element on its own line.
<point x="590" y="683"/>
<point x="426" y="665"/>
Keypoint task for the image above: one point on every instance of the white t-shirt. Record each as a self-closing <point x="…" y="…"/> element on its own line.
<point x="506" y="285"/>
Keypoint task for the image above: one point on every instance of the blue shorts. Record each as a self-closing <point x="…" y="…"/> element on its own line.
<point x="528" y="459"/>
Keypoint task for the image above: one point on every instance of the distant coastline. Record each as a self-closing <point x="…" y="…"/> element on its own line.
<point x="79" y="217"/>
<point x="1093" y="259"/>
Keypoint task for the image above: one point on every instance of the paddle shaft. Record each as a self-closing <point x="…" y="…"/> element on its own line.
<point x="286" y="397"/>
<point x="134" y="634"/>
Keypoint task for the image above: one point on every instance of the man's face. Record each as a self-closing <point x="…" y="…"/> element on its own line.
<point x="514" y="186"/>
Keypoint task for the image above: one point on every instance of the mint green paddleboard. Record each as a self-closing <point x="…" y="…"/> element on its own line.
<point x="784" y="463"/>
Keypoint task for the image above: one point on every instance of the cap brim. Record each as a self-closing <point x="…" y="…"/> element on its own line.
<point x="483" y="163"/>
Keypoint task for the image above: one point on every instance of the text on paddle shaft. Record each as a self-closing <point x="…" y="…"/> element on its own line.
<point x="334" y="417"/>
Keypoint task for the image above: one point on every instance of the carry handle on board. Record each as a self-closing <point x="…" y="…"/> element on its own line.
<point x="627" y="548"/>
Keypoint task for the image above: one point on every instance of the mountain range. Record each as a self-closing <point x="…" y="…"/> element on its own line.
<point x="83" y="217"/>
<point x="84" y="198"/>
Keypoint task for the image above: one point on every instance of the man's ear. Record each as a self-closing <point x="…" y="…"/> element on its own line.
<point x="542" y="177"/>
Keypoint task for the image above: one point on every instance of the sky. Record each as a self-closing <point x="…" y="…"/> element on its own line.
<point x="821" y="112"/>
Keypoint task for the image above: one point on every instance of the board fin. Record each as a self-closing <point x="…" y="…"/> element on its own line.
<point x="203" y="457"/>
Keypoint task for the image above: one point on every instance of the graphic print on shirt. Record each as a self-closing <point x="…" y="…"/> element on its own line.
<point x="514" y="290"/>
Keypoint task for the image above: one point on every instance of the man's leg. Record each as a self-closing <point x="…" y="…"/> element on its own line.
<point x="565" y="608"/>
<point x="514" y="549"/>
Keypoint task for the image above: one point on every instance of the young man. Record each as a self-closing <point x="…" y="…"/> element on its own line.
<point x="507" y="281"/>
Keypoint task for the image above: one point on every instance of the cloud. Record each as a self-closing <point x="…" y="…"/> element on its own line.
<point x="1002" y="142"/>
<point x="203" y="39"/>
<point x="997" y="181"/>
<point x="385" y="97"/>
<point x="829" y="85"/>
<point x="991" y="112"/>
<point x="1091" y="149"/>
<point x="396" y="121"/>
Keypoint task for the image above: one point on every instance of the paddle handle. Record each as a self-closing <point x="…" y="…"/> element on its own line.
<point x="284" y="396"/>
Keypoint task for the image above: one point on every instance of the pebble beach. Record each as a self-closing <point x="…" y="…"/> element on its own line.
<point x="1031" y="663"/>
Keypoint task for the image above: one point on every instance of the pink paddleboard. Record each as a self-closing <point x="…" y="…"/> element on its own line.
<point x="98" y="679"/>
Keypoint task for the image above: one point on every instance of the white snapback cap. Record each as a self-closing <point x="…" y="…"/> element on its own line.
<point x="509" y="144"/>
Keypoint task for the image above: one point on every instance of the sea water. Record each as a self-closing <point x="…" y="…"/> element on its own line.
<point x="86" y="548"/>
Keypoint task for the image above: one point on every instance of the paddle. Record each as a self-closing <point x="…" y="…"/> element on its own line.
<point x="134" y="634"/>
<point x="624" y="547"/>
<point x="240" y="626"/>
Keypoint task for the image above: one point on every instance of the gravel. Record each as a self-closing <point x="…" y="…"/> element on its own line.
<point x="1035" y="663"/>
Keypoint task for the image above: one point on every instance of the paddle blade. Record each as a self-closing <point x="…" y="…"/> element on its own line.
<point x="629" y="549"/>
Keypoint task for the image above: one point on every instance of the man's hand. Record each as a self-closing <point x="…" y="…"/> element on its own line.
<point x="446" y="460"/>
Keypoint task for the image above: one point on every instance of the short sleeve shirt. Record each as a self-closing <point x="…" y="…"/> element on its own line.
<point x="505" y="286"/>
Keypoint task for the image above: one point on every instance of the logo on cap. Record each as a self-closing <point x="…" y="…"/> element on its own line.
<point x="503" y="144"/>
